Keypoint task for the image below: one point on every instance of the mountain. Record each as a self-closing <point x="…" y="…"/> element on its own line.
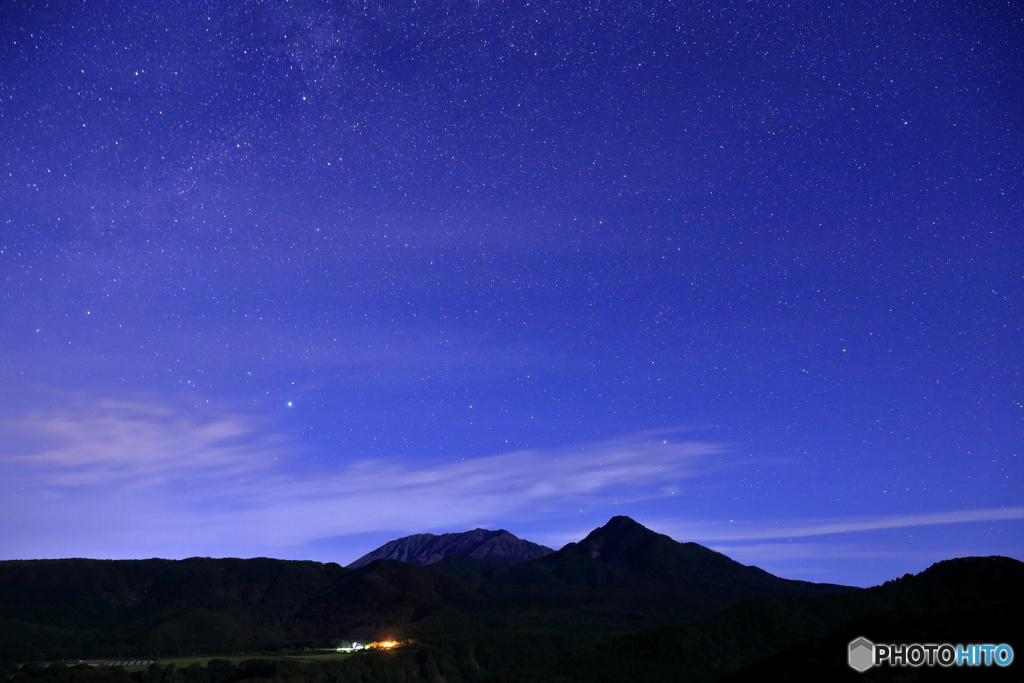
<point x="620" y="578"/>
<point x="772" y="637"/>
<point x="965" y="600"/>
<point x="81" y="607"/>
<point x="490" y="547"/>
<point x="623" y="604"/>
<point x="626" y="575"/>
<point x="623" y="551"/>
<point x="578" y="616"/>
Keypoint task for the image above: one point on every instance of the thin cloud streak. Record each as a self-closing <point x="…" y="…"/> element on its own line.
<point x="745" y="531"/>
<point x="138" y="479"/>
<point x="371" y="497"/>
<point x="755" y="553"/>
<point x="132" y="444"/>
<point x="204" y="487"/>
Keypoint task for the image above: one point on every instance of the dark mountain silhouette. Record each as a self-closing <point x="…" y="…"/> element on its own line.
<point x="623" y="604"/>
<point x="490" y="547"/>
<point x="620" y="578"/>
<point x="623" y="551"/>
<point x="966" y="600"/>
<point x="630" y="575"/>
<point x="974" y="599"/>
<point x="80" y="607"/>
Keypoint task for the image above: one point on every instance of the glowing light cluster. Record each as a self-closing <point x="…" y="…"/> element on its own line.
<point x="384" y="644"/>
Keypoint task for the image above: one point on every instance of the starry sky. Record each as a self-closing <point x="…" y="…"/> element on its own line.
<point x="293" y="278"/>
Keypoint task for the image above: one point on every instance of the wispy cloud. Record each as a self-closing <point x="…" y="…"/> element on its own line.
<point x="758" y="553"/>
<point x="526" y="482"/>
<point x="117" y="443"/>
<point x="829" y="560"/>
<point x="857" y="551"/>
<point x="144" y="475"/>
<point x="121" y="479"/>
<point x="742" y="530"/>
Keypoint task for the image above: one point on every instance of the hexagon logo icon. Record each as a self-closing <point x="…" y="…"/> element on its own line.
<point x="861" y="654"/>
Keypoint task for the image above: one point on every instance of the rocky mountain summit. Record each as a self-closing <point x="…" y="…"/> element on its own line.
<point x="490" y="547"/>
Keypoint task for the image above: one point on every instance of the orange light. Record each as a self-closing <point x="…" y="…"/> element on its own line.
<point x="384" y="644"/>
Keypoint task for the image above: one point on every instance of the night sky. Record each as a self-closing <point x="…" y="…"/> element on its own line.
<point x="295" y="278"/>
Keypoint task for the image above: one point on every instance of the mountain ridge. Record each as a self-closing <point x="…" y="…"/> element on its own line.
<point x="773" y="637"/>
<point x="619" y="578"/>
<point x="490" y="547"/>
<point x="624" y="603"/>
<point x="627" y="551"/>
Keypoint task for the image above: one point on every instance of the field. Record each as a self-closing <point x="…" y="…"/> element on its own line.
<point x="304" y="656"/>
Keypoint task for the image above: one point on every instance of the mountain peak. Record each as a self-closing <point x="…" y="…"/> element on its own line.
<point x="626" y="552"/>
<point x="490" y="547"/>
<point x="620" y="537"/>
<point x="620" y="524"/>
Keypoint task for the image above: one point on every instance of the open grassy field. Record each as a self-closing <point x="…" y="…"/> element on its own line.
<point x="234" y="658"/>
